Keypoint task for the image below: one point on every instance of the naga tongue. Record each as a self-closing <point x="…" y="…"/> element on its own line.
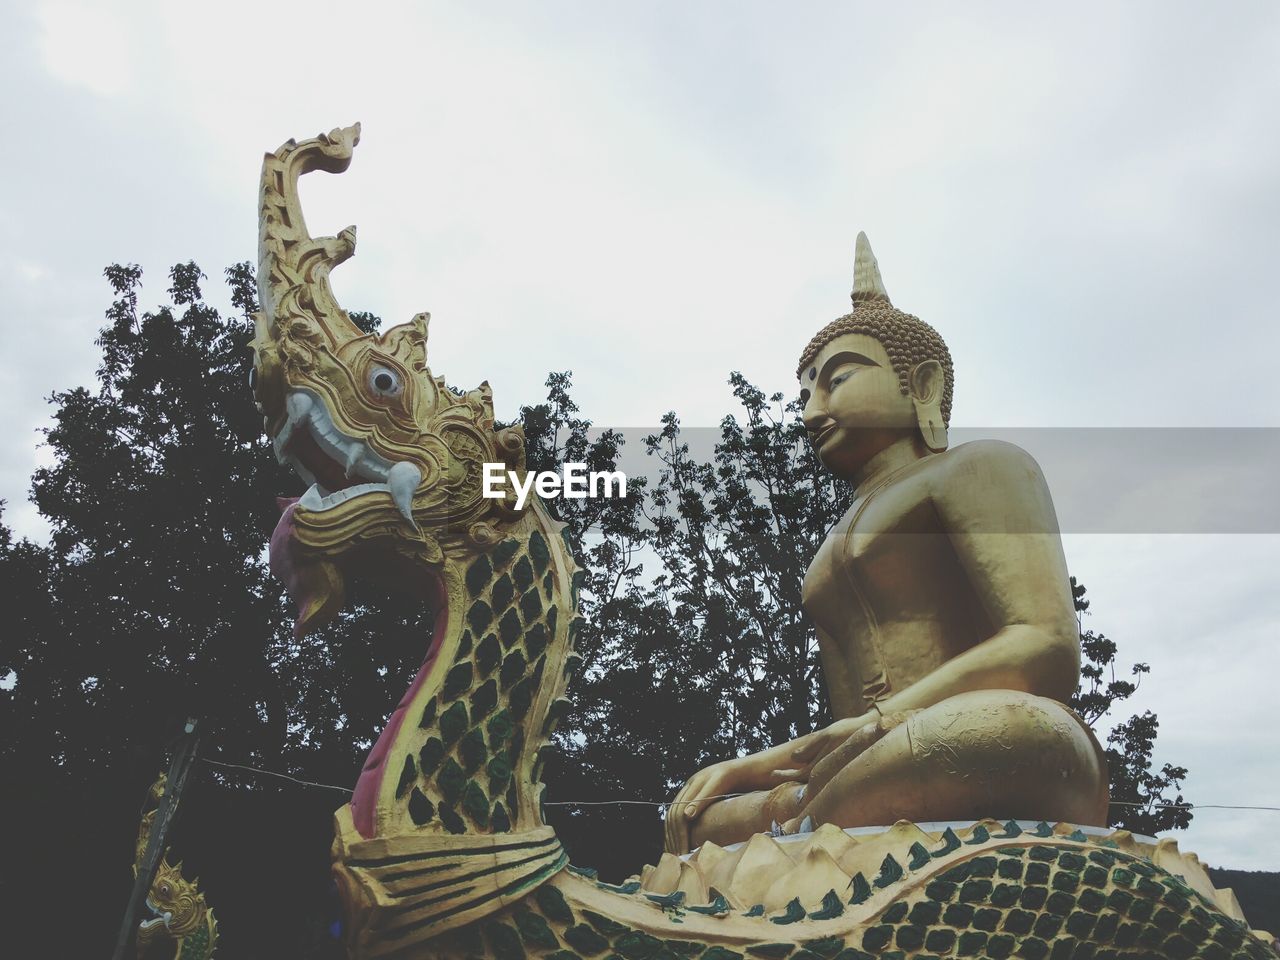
<point x="315" y="586"/>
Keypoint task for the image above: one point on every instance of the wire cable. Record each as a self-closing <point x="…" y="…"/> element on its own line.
<point x="721" y="796"/>
<point x="272" y="773"/>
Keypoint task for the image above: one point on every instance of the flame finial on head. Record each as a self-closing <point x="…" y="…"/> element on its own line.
<point x="867" y="283"/>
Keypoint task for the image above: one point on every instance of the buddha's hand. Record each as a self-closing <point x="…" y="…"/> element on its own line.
<point x="791" y="761"/>
<point x="810" y="752"/>
<point x="851" y="747"/>
<point x="704" y="788"/>
<point x="759" y="771"/>
<point x="869" y="731"/>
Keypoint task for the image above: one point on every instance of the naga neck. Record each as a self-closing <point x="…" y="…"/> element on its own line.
<point x="457" y="768"/>
<point x="460" y="752"/>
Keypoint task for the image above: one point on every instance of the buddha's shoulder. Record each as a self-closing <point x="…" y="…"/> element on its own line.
<point x="991" y="462"/>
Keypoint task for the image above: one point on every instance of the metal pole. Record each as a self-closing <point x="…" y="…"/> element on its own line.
<point x="179" y="765"/>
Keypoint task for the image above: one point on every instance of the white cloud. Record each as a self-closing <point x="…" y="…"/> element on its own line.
<point x="87" y="45"/>
<point x="31" y="272"/>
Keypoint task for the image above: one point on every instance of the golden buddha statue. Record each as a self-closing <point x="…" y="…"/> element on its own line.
<point x="943" y="613"/>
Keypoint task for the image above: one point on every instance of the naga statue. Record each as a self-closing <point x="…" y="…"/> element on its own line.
<point x="946" y="650"/>
<point x="182" y="927"/>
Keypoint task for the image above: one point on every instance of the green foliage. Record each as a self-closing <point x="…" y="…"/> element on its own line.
<point x="1140" y="795"/>
<point x="152" y="602"/>
<point x="158" y="497"/>
<point x="735" y="537"/>
<point x="695" y="647"/>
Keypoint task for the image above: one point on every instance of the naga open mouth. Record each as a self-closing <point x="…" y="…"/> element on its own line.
<point x="158" y="916"/>
<point x="338" y="467"/>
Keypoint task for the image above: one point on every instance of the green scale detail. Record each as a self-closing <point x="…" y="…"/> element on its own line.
<point x="1068" y="916"/>
<point x="1173" y="924"/>
<point x="459" y="776"/>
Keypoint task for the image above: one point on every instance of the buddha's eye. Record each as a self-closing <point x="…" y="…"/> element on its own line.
<point x="841" y="378"/>
<point x="384" y="381"/>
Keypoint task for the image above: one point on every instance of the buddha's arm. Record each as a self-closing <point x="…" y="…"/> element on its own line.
<point x="844" y="685"/>
<point x="994" y="504"/>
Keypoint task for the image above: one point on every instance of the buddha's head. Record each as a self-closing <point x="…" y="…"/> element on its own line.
<point x="874" y="376"/>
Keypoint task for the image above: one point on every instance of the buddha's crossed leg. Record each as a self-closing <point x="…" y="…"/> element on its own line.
<point x="987" y="753"/>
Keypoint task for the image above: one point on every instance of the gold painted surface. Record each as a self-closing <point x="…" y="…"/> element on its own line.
<point x="901" y="635"/>
<point x="351" y="412"/>
<point x="774" y="870"/>
<point x="375" y="401"/>
<point x="943" y="610"/>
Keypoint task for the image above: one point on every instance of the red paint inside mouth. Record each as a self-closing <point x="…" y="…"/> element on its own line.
<point x="328" y="472"/>
<point x="364" y="800"/>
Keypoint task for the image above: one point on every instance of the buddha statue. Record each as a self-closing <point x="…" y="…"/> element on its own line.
<point x="943" y="613"/>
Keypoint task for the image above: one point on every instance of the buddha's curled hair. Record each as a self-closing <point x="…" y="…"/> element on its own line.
<point x="907" y="340"/>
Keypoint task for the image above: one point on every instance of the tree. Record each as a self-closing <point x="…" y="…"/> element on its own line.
<point x="1139" y="794"/>
<point x="152" y="602"/>
<point x="708" y="654"/>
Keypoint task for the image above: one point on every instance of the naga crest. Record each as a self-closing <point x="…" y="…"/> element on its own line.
<point x="391" y="452"/>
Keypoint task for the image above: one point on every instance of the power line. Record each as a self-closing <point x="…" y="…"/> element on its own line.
<point x="722" y="796"/>
<point x="272" y="773"/>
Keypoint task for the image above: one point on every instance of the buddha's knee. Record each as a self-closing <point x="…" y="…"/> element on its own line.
<point x="990" y="753"/>
<point x="1032" y="752"/>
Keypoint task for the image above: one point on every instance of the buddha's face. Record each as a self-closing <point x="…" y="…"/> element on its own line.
<point x="853" y="404"/>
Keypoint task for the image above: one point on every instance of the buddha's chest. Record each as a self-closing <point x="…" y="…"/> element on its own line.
<point x="886" y="585"/>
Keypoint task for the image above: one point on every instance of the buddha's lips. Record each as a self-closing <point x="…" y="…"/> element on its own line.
<point x="817" y="438"/>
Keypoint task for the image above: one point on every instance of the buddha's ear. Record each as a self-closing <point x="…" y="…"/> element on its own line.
<point x="926" y="384"/>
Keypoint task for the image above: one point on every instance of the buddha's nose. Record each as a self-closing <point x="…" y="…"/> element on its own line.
<point x="815" y="419"/>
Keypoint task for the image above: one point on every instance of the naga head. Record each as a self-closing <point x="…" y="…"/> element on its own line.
<point x="393" y="456"/>
<point x="176" y="902"/>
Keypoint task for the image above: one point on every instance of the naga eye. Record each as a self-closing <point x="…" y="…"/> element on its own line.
<point x="384" y="381"/>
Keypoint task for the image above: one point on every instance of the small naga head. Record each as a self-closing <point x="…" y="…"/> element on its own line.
<point x="177" y="905"/>
<point x="393" y="456"/>
<point x="873" y="375"/>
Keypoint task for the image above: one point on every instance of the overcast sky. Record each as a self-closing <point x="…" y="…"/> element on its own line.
<point x="1086" y="203"/>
